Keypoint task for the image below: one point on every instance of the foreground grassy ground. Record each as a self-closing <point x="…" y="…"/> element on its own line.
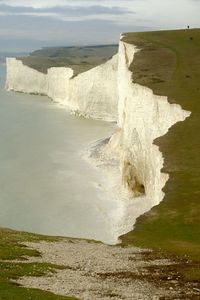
<point x="10" y="249"/>
<point x="169" y="63"/>
<point x="80" y="59"/>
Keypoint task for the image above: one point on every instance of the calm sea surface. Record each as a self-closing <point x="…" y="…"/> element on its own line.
<point x="45" y="186"/>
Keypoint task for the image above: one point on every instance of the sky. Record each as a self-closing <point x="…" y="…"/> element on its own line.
<point x="26" y="25"/>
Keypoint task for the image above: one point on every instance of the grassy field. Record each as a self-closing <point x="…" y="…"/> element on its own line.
<point x="10" y="250"/>
<point x="169" y="63"/>
<point x="80" y="59"/>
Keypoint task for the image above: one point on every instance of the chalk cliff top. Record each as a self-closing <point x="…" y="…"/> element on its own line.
<point x="169" y="63"/>
<point x="80" y="59"/>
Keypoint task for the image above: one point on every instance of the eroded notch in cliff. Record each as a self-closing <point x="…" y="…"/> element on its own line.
<point x="131" y="181"/>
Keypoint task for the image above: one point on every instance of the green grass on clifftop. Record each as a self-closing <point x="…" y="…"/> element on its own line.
<point x="80" y="59"/>
<point x="11" y="252"/>
<point x="169" y="63"/>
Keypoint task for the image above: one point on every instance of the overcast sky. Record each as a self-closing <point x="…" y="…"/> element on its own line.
<point x="31" y="24"/>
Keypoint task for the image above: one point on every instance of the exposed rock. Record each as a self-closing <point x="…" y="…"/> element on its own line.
<point x="99" y="272"/>
<point x="91" y="94"/>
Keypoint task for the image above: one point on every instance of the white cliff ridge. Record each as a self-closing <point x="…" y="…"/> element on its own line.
<point x="107" y="92"/>
<point x="91" y="94"/>
<point x="142" y="117"/>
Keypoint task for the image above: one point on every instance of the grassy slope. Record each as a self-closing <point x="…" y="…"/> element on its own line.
<point x="80" y="59"/>
<point x="169" y="63"/>
<point x="10" y="249"/>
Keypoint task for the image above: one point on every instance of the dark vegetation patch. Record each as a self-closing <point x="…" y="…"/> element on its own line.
<point x="172" y="277"/>
<point x="169" y="64"/>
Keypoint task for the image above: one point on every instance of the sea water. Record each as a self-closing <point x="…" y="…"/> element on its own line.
<point x="45" y="185"/>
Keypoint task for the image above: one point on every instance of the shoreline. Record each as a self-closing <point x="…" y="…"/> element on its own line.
<point x="55" y="183"/>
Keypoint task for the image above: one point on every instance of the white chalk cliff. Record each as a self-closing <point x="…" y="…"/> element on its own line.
<point x="91" y="94"/>
<point x="107" y="92"/>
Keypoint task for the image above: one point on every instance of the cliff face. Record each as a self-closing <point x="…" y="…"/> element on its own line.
<point x="133" y="162"/>
<point x="21" y="78"/>
<point x="142" y="117"/>
<point x="108" y="92"/>
<point x="91" y="94"/>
